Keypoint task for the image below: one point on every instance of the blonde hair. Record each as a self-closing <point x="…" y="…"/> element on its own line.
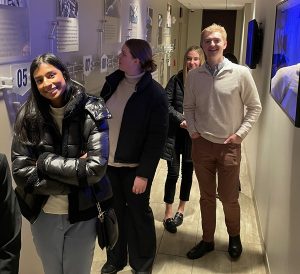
<point x="201" y="59"/>
<point x="214" y="28"/>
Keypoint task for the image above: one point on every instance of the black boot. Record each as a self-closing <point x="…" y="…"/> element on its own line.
<point x="108" y="268"/>
<point x="235" y="247"/>
<point x="200" y="250"/>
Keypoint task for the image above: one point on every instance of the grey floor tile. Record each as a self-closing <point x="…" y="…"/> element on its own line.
<point x="213" y="262"/>
<point x="178" y="243"/>
<point x="165" y="264"/>
<point x="251" y="261"/>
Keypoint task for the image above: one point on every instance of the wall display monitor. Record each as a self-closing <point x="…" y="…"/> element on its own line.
<point x="254" y="44"/>
<point x="286" y="59"/>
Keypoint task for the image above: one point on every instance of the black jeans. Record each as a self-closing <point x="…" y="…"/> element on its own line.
<point x="135" y="220"/>
<point x="173" y="175"/>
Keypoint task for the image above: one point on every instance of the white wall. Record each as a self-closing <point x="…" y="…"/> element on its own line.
<point x="194" y="28"/>
<point x="276" y="184"/>
<point x="252" y="140"/>
<point x="248" y="15"/>
<point x="173" y="36"/>
<point x="239" y="31"/>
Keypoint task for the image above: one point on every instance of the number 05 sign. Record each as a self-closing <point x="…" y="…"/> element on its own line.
<point x="20" y="77"/>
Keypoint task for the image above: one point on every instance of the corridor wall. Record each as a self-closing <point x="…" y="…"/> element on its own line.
<point x="276" y="184"/>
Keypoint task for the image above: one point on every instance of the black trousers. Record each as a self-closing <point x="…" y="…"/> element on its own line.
<point x="10" y="222"/>
<point x="173" y="175"/>
<point x="136" y="222"/>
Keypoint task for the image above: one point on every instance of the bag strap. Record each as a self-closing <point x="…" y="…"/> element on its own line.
<point x="100" y="211"/>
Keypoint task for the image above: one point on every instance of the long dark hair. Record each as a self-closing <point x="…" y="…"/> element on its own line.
<point x="37" y="107"/>
<point x="51" y="59"/>
<point x="141" y="49"/>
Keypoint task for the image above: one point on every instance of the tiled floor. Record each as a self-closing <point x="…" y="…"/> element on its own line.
<point x="172" y="248"/>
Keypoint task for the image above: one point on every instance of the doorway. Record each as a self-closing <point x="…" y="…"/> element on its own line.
<point x="225" y="18"/>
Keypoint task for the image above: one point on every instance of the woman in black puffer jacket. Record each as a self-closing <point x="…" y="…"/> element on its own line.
<point x="179" y="142"/>
<point x="59" y="153"/>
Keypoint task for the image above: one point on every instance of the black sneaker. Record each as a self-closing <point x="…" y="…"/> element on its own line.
<point x="108" y="268"/>
<point x="170" y="225"/>
<point x="200" y="250"/>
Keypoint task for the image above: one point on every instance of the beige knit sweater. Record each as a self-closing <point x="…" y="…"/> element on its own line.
<point x="219" y="106"/>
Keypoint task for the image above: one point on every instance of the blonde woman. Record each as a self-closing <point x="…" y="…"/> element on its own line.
<point x="179" y="142"/>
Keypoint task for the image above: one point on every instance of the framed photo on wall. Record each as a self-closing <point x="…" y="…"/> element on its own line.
<point x="14" y="26"/>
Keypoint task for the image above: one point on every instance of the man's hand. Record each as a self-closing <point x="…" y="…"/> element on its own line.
<point x="235" y="139"/>
<point x="195" y="135"/>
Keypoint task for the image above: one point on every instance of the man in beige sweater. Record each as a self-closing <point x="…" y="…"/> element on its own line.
<point x="221" y="104"/>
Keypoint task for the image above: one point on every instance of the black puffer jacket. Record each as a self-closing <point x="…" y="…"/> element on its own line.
<point x="54" y="166"/>
<point x="175" y="93"/>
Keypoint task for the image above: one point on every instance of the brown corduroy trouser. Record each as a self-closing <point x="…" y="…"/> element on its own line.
<point x="212" y="159"/>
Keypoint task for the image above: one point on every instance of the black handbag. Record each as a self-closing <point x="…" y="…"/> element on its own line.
<point x="106" y="226"/>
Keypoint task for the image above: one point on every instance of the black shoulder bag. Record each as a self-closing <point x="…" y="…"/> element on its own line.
<point x="106" y="226"/>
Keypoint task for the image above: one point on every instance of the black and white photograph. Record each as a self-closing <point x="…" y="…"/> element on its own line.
<point x="68" y="8"/>
<point x="133" y="14"/>
<point x="103" y="63"/>
<point x="169" y="16"/>
<point x="112" y="8"/>
<point x="14" y="3"/>
<point x="149" y="25"/>
<point x="14" y="26"/>
<point x="160" y="27"/>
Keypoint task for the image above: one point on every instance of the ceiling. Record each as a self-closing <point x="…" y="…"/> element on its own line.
<point x="214" y="4"/>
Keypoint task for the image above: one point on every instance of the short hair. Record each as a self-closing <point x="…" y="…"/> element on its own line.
<point x="214" y="28"/>
<point x="141" y="50"/>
